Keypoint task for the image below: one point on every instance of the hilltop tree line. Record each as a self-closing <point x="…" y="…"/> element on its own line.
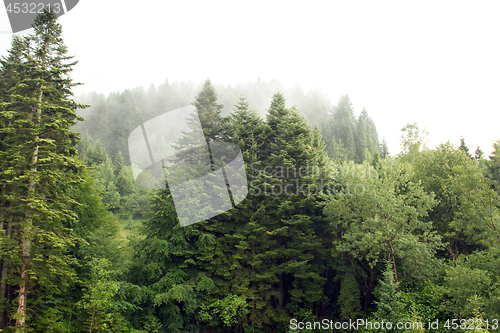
<point x="111" y="119"/>
<point x="413" y="237"/>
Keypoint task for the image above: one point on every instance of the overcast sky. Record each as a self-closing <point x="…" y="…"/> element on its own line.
<point x="433" y="62"/>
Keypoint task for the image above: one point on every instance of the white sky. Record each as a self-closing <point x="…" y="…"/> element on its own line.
<point x="433" y="62"/>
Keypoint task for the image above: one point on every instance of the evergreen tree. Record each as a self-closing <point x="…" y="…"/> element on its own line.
<point x="367" y="137"/>
<point x="373" y="142"/>
<point x="478" y="154"/>
<point x="464" y="148"/>
<point x="209" y="113"/>
<point x="493" y="165"/>
<point x="293" y="220"/>
<point x="337" y="151"/>
<point x="9" y="77"/>
<point x="40" y="158"/>
<point x="349" y="297"/>
<point x="384" y="150"/>
<point x="350" y="149"/>
<point x="245" y="278"/>
<point x="389" y="305"/>
<point x="106" y="184"/>
<point x="362" y="140"/>
<point x="344" y="126"/>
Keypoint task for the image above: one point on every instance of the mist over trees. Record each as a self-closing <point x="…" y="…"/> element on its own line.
<point x="111" y="119"/>
<point x="333" y="228"/>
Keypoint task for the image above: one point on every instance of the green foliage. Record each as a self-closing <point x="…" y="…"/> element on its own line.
<point x="381" y="213"/>
<point x="349" y="298"/>
<point x="384" y="150"/>
<point x="493" y="166"/>
<point x="464" y="148"/>
<point x="38" y="165"/>
<point x="478" y="154"/>
<point x="467" y="212"/>
<point x="230" y="309"/>
<point x="299" y="246"/>
<point x="152" y="324"/>
<point x="389" y="305"/>
<point x="413" y="140"/>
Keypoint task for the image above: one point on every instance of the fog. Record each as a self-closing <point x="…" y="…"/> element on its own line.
<point x="433" y="63"/>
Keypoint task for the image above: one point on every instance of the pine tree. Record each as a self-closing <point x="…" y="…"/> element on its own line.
<point x="389" y="305"/>
<point x="384" y="150"/>
<point x="9" y="246"/>
<point x="291" y="219"/>
<point x="367" y="137"/>
<point x="493" y="165"/>
<point x="209" y="113"/>
<point x="464" y="148"/>
<point x="241" y="235"/>
<point x="478" y="154"/>
<point x="337" y="151"/>
<point x="349" y="297"/>
<point x="40" y="155"/>
<point x="350" y="144"/>
<point x="362" y="137"/>
<point x="344" y="126"/>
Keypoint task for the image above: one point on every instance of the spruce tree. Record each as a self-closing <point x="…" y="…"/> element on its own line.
<point x="290" y="191"/>
<point x="478" y="154"/>
<point x="384" y="150"/>
<point x="209" y="113"/>
<point x="344" y="126"/>
<point x="362" y="137"/>
<point x="389" y="305"/>
<point x="39" y="155"/>
<point x="349" y="297"/>
<point x="464" y="148"/>
<point x="493" y="166"/>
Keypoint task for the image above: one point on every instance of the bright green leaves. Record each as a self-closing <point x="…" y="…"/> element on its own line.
<point x="371" y="216"/>
<point x="100" y="299"/>
<point x="228" y="310"/>
<point x="467" y="212"/>
<point x="377" y="215"/>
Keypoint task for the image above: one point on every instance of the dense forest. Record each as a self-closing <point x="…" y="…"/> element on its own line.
<point x="335" y="234"/>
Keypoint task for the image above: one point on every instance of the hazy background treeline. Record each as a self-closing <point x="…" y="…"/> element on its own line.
<point x="111" y="119"/>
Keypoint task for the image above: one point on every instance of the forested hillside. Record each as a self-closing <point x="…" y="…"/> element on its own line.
<point x="334" y="235"/>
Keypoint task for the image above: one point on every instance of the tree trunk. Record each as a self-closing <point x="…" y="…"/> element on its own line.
<point x="92" y="320"/>
<point x="368" y="294"/>
<point x="394" y="265"/>
<point x="26" y="238"/>
<point x="3" y="283"/>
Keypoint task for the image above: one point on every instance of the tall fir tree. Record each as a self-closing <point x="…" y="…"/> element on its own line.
<point x="478" y="154"/>
<point x="292" y="216"/>
<point x="464" y="148"/>
<point x="344" y="126"/>
<point x="40" y="158"/>
<point x="362" y="137"/>
<point x="384" y="150"/>
<point x="493" y="166"/>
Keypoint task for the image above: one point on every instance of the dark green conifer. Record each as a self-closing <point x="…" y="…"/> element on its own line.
<point x="39" y="155"/>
